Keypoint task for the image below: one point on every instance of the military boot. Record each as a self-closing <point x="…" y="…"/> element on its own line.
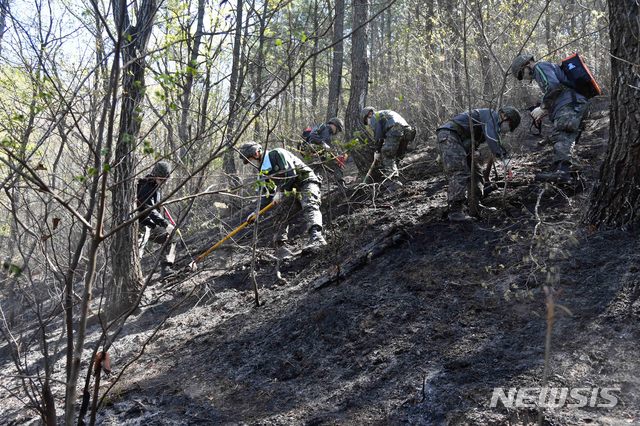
<point x="457" y="213"/>
<point x="316" y="240"/>
<point x="562" y="174"/>
<point x="166" y="271"/>
<point x="282" y="251"/>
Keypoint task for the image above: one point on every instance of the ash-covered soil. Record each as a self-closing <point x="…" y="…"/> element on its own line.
<point x="402" y="318"/>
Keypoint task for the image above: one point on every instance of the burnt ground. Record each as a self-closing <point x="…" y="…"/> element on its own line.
<point x="419" y="328"/>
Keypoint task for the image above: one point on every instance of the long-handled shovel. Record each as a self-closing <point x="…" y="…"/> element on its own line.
<point x="193" y="265"/>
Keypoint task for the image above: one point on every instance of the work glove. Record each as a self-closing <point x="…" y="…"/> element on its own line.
<point x="251" y="218"/>
<point x="326" y="146"/>
<point x="278" y="197"/>
<point x="376" y="156"/>
<point x="538" y="113"/>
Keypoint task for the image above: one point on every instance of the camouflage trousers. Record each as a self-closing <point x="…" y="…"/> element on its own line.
<point x="566" y="128"/>
<point x="158" y="235"/>
<point x="309" y="200"/>
<point x="455" y="155"/>
<point x="389" y="154"/>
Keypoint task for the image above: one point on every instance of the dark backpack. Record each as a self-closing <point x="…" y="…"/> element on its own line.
<point x="580" y="77"/>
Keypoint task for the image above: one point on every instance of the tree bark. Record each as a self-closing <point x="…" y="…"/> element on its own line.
<point x="228" y="163"/>
<point x="616" y="199"/>
<point x="335" y="80"/>
<point x="185" y="101"/>
<point x="259" y="80"/>
<point x="127" y="277"/>
<point x="314" y="60"/>
<point x="359" y="83"/>
<point x="4" y="11"/>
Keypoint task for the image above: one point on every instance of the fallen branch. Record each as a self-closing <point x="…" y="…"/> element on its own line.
<point x="372" y="250"/>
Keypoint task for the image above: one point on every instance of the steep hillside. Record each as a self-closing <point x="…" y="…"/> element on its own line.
<point x="404" y="317"/>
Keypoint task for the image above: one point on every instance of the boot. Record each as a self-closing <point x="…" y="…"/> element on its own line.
<point x="166" y="270"/>
<point x="562" y="174"/>
<point x="282" y="251"/>
<point x="316" y="240"/>
<point x="457" y="213"/>
<point x="391" y="186"/>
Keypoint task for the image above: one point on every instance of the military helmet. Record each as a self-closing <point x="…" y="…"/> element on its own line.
<point x="517" y="66"/>
<point x="161" y="169"/>
<point x="513" y="115"/>
<point x="365" y="111"/>
<point x="337" y="122"/>
<point x="248" y="150"/>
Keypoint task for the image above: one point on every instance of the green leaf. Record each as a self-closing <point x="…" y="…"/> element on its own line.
<point x="106" y="168"/>
<point x="278" y="42"/>
<point x="12" y="268"/>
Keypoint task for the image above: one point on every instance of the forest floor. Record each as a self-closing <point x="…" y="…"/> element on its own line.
<point x="424" y="321"/>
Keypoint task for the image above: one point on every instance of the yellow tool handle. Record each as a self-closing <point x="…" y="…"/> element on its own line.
<point x="232" y="233"/>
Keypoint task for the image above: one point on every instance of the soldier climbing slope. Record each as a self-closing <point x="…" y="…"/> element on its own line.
<point x="288" y="172"/>
<point x="154" y="226"/>
<point x="318" y="146"/>
<point x="454" y="141"/>
<point x="562" y="103"/>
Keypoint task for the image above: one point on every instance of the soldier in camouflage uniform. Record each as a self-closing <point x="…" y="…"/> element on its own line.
<point x="153" y="225"/>
<point x="318" y="146"/>
<point x="562" y="103"/>
<point x="454" y="140"/>
<point x="288" y="172"/>
<point x="391" y="135"/>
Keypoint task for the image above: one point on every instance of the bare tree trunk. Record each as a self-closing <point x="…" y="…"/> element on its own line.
<point x="616" y="198"/>
<point x="335" y="80"/>
<point x="314" y="60"/>
<point x="185" y="101"/>
<point x="359" y="82"/>
<point x="228" y="165"/>
<point x="259" y="83"/>
<point x="127" y="277"/>
<point x="4" y="11"/>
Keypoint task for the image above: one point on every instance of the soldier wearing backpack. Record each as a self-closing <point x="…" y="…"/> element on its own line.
<point x="317" y="147"/>
<point x="562" y="103"/>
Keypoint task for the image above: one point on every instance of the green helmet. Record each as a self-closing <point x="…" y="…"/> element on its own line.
<point x="513" y="115"/>
<point x="248" y="150"/>
<point x="365" y="111"/>
<point x="517" y="66"/>
<point x="161" y="169"/>
<point x="338" y="123"/>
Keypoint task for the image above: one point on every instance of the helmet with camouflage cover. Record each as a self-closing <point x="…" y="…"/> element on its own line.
<point x="248" y="150"/>
<point x="365" y="112"/>
<point x="513" y="115"/>
<point x="161" y="169"/>
<point x="517" y="66"/>
<point x="337" y="122"/>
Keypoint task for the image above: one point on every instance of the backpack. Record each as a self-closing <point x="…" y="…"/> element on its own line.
<point x="579" y="76"/>
<point x="306" y="134"/>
